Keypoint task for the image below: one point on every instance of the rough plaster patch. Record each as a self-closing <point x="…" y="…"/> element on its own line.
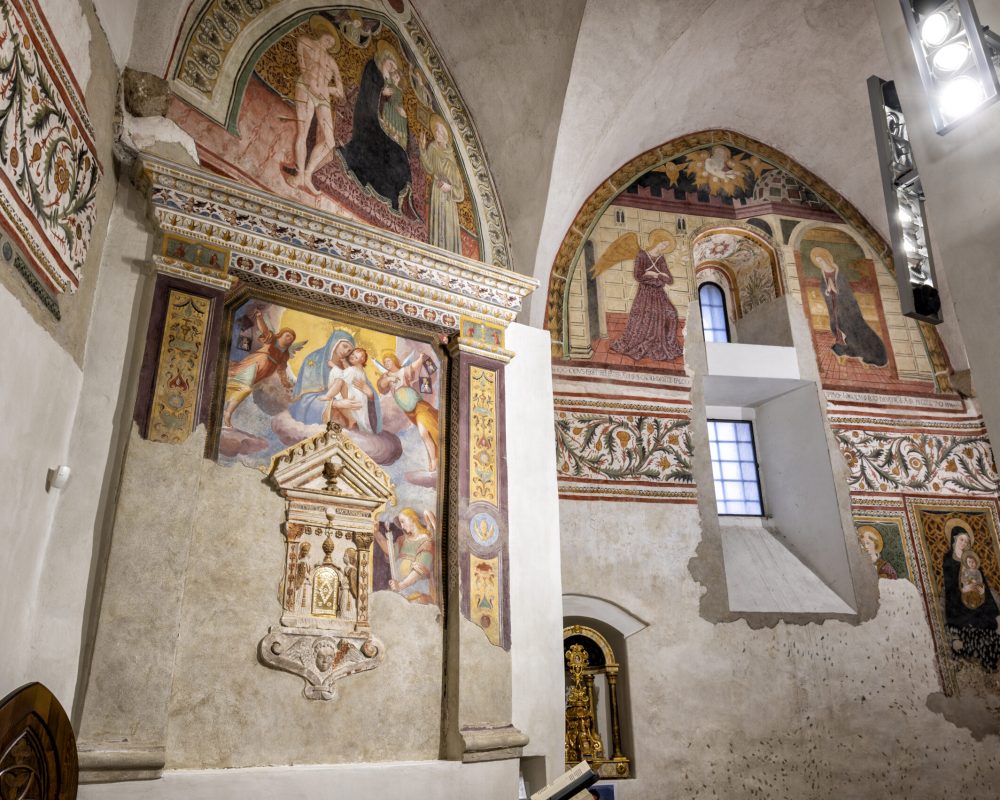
<point x="153" y="134"/>
<point x="837" y="710"/>
<point x="71" y="32"/>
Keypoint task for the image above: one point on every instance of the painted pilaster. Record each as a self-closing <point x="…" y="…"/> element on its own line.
<point x="478" y="672"/>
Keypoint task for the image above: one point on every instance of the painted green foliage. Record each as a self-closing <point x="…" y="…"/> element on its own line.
<point x="46" y="159"/>
<point x="893" y="462"/>
<point x="624" y="447"/>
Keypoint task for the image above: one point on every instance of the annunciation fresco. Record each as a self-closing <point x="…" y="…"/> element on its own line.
<point x="290" y="374"/>
<point x="48" y="168"/>
<point x="337" y="113"/>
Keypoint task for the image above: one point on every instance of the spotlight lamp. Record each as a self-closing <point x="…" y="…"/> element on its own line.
<point x="956" y="57"/>
<point x="904" y="202"/>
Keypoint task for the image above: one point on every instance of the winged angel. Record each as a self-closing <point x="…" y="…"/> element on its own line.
<point x="651" y="331"/>
<point x="271" y="358"/>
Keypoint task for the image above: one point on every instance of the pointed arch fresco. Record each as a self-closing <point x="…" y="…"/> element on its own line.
<point x="348" y="109"/>
<point x="685" y="166"/>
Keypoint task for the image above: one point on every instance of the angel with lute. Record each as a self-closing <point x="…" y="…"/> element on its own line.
<point x="398" y="379"/>
<point x="651" y="331"/>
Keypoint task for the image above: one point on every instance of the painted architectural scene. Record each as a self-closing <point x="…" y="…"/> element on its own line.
<point x="291" y="373"/>
<point x="336" y="112"/>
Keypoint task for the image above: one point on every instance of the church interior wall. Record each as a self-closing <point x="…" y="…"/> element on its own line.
<point x="139" y="592"/>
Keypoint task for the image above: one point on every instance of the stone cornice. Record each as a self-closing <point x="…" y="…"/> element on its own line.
<point x="260" y="234"/>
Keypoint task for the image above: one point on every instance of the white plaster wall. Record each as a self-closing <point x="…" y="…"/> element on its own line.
<point x="118" y="20"/>
<point x="69" y="26"/>
<point x="960" y="173"/>
<point x="794" y="711"/>
<point x="790" y="73"/>
<point x="441" y="780"/>
<point x="533" y="512"/>
<point x="114" y="342"/>
<point x="38" y="399"/>
<point x="799" y="491"/>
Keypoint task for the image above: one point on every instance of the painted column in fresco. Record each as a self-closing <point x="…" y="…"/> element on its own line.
<point x="478" y="579"/>
<point x="179" y="361"/>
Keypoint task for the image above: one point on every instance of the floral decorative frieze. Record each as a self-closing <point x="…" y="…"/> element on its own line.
<point x="212" y="37"/>
<point x="328" y="255"/>
<point x="898" y="461"/>
<point x="623" y="449"/>
<point x="48" y="168"/>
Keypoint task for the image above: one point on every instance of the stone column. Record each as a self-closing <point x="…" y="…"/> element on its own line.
<point x="477" y="580"/>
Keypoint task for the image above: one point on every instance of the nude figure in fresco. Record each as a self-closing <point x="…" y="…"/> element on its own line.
<point x="399" y="380"/>
<point x="319" y="80"/>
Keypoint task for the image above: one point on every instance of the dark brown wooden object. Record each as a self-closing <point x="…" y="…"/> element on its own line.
<point x="37" y="747"/>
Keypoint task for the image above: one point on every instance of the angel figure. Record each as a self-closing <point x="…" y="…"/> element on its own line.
<point x="271" y="358"/>
<point x="411" y="555"/>
<point x="651" y="331"/>
<point x="398" y="379"/>
<point x="356" y="29"/>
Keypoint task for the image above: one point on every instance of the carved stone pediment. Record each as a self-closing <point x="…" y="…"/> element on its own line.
<point x="333" y="494"/>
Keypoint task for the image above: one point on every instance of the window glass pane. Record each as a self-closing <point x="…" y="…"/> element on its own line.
<point x="737" y="485"/>
<point x="729" y="451"/>
<point x="713" y="313"/>
<point x="725" y="432"/>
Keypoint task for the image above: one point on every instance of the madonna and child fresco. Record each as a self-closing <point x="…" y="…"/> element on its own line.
<point x="291" y="373"/>
<point x="970" y="606"/>
<point x="337" y="114"/>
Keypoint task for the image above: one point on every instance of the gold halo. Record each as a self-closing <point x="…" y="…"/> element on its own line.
<point x="951" y="524"/>
<point x="658" y="235"/>
<point x="871" y="529"/>
<point x="435" y="120"/>
<point x="321" y="26"/>
<point x="383" y="51"/>
<point x="821" y="251"/>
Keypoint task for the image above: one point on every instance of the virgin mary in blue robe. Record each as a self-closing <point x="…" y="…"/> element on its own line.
<point x="308" y="405"/>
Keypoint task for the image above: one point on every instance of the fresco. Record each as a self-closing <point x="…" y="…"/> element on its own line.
<point x="960" y="549"/>
<point x="843" y="305"/>
<point x="337" y="114"/>
<point x="48" y="167"/>
<point x="882" y="542"/>
<point x="290" y="373"/>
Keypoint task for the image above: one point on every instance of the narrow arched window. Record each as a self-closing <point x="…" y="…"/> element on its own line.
<point x="714" y="320"/>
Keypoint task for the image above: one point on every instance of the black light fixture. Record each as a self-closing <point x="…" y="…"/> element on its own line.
<point x="904" y="203"/>
<point x="957" y="58"/>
